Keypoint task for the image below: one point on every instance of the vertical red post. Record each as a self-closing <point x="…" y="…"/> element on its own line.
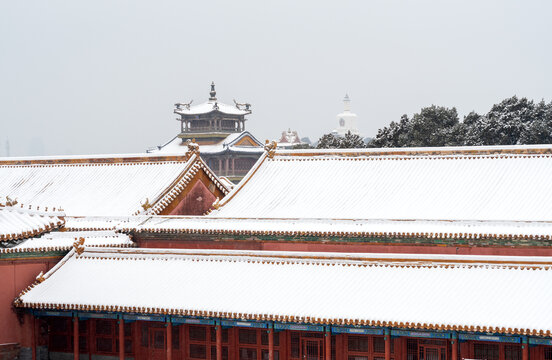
<point x="76" y="338"/>
<point x="121" y="339"/>
<point x="454" y="346"/>
<point x="169" y="340"/>
<point x="219" y="342"/>
<point x="387" y="339"/>
<point x="33" y="340"/>
<point x="328" y="343"/>
<point x="524" y="349"/>
<point x="270" y="343"/>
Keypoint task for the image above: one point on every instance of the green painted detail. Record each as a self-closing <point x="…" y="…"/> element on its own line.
<point x="485" y="242"/>
<point x="33" y="254"/>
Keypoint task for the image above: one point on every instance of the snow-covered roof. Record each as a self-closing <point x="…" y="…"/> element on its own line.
<point x="211" y="106"/>
<point x="391" y="229"/>
<point x="413" y="291"/>
<point x="460" y="184"/>
<point x="106" y="186"/>
<point x="20" y="223"/>
<point x="176" y="146"/>
<point x="64" y="240"/>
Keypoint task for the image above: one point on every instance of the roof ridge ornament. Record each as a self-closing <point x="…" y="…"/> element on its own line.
<point x="213" y="93"/>
<point x="270" y="148"/>
<point x="246" y="105"/>
<point x="178" y="106"/>
<point x="78" y="245"/>
<point x="193" y="148"/>
<point x="146" y="205"/>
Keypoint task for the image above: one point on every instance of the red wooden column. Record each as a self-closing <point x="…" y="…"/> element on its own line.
<point x="270" y="343"/>
<point x="454" y="346"/>
<point x="33" y="340"/>
<point x="121" y="339"/>
<point x="76" y="338"/>
<point x="387" y="339"/>
<point x="219" y="341"/>
<point x="328" y="343"/>
<point x="524" y="349"/>
<point x="169" y="340"/>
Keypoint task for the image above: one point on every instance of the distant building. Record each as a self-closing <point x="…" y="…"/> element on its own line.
<point x="289" y="139"/>
<point x="219" y="129"/>
<point x="347" y="120"/>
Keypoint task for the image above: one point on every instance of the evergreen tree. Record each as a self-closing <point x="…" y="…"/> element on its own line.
<point x="349" y="141"/>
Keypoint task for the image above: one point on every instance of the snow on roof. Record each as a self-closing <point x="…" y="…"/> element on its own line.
<point x="21" y="223"/>
<point x="176" y="145"/>
<point x="442" y="292"/>
<point x="468" y="230"/>
<point x="211" y="106"/>
<point x="508" y="183"/>
<point x="64" y="240"/>
<point x="115" y="186"/>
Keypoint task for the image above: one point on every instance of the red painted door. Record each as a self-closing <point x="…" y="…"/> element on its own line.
<point x="312" y="349"/>
<point x="157" y="344"/>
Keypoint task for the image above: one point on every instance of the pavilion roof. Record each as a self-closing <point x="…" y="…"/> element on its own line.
<point x="110" y="185"/>
<point x="209" y="107"/>
<point x="444" y="292"/>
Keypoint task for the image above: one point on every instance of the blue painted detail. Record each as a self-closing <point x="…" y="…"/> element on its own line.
<point x="297" y="327"/>
<point x="250" y="324"/>
<point x="40" y="313"/>
<point x="422" y="334"/>
<point x="136" y="317"/>
<point x="494" y="338"/>
<point x="185" y="320"/>
<point x="92" y="315"/>
<point x="356" y="330"/>
<point x="540" y="341"/>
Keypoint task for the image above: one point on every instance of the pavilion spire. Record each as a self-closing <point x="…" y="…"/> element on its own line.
<point x="213" y="93"/>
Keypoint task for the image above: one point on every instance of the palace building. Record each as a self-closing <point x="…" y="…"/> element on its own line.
<point x="219" y="129"/>
<point x="361" y="254"/>
<point x="53" y="203"/>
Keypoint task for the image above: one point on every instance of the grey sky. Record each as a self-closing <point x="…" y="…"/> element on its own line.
<point x="102" y="76"/>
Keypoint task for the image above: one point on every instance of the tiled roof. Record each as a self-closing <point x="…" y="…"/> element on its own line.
<point x="460" y="184"/>
<point x="342" y="228"/>
<point x="104" y="186"/>
<point x="65" y="240"/>
<point x="18" y="223"/>
<point x="404" y="291"/>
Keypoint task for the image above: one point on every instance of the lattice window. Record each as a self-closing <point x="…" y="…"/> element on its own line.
<point x="203" y="339"/>
<point x="357" y="343"/>
<point x="60" y="334"/>
<point x="485" y="351"/>
<point x="253" y="344"/>
<point x="512" y="352"/>
<point x="548" y="353"/>
<point x="106" y="337"/>
<point x="412" y="349"/>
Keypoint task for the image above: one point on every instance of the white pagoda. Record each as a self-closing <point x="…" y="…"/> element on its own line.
<point x="347" y="120"/>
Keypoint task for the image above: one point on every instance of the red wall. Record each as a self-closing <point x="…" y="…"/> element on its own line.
<point x="14" y="277"/>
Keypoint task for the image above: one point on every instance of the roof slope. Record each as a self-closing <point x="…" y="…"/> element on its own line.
<point x="17" y="223"/>
<point x="443" y="292"/>
<point x="229" y="144"/>
<point x="478" y="183"/>
<point x="117" y="185"/>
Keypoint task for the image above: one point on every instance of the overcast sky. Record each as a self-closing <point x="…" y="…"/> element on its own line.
<point x="102" y="76"/>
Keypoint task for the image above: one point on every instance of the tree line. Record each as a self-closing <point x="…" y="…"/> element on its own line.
<point x="513" y="121"/>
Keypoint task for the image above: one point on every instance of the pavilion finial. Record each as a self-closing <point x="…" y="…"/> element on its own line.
<point x="213" y="93"/>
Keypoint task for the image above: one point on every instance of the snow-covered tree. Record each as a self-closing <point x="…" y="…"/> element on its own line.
<point x="349" y="141"/>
